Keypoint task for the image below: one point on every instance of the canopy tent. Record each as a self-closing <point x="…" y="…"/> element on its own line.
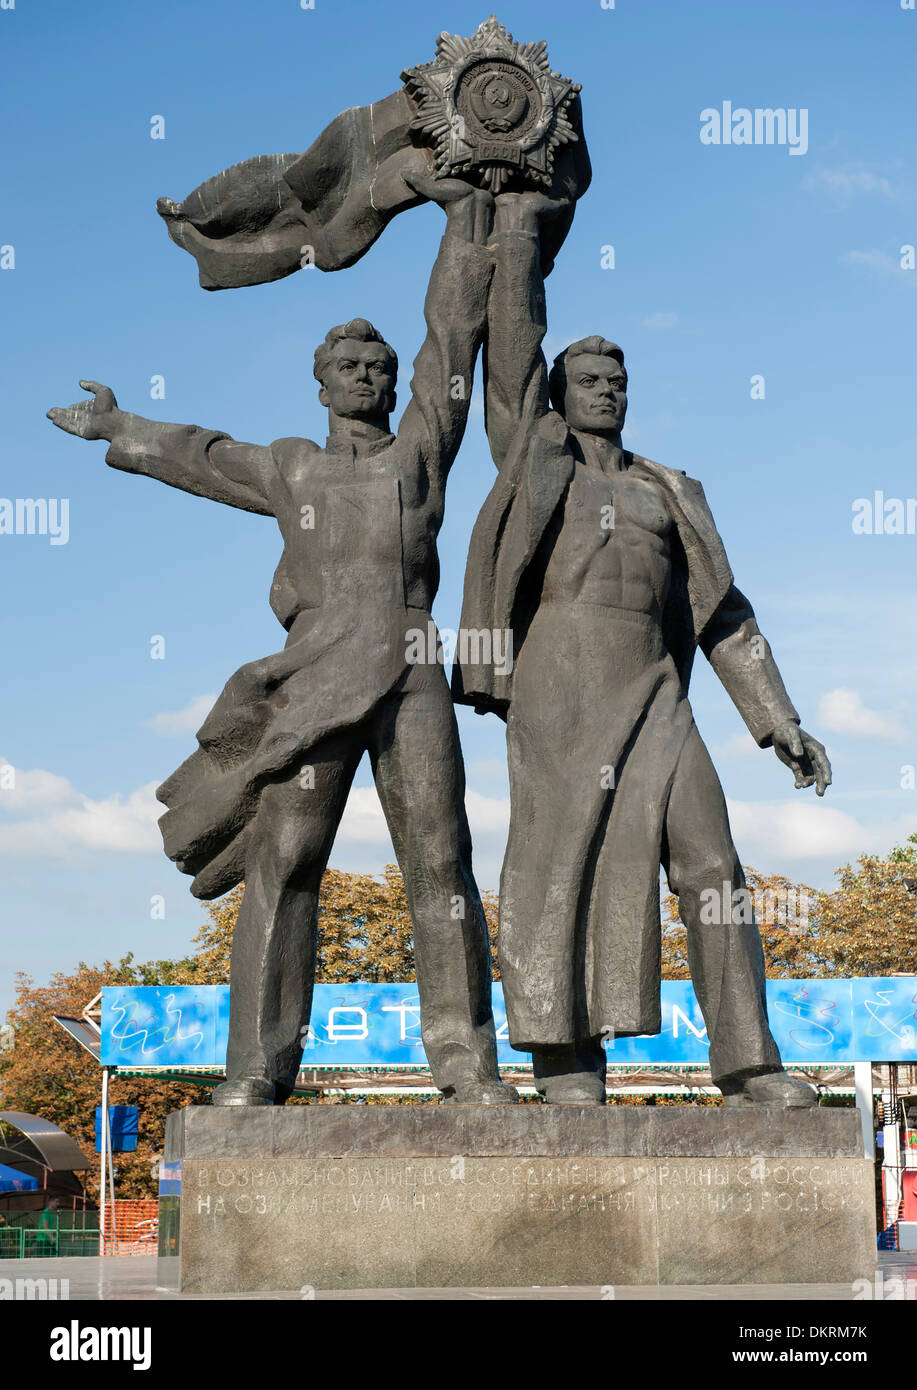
<point x="40" y="1151"/>
<point x="11" y="1180"/>
<point x="39" y="1144"/>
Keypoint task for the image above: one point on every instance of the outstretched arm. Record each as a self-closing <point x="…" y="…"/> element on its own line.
<point x="456" y="313"/>
<point x="741" y="657"/>
<point x="203" y="462"/>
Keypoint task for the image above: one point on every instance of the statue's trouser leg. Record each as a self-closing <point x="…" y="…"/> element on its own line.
<point x="420" y="777"/>
<point x="274" y="942"/>
<point x="725" y="957"/>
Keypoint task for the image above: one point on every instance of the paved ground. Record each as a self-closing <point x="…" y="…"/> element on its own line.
<point x="134" y="1277"/>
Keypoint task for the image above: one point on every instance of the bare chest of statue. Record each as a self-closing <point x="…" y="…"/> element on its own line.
<point x="611" y="542"/>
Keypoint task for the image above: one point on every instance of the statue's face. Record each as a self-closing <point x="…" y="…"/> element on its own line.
<point x="359" y="383"/>
<point x="595" y="398"/>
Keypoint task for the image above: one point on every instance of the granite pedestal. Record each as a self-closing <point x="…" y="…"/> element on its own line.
<point x="337" y="1197"/>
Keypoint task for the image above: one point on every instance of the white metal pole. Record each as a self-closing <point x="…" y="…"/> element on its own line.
<point x="113" y="1223"/>
<point x="104" y="1143"/>
<point x="891" y="1149"/>
<point x="862" y="1083"/>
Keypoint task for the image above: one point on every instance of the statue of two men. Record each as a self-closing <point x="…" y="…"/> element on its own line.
<point x="609" y="572"/>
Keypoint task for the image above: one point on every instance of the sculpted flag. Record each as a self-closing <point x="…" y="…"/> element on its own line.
<point x="257" y="221"/>
<point x="487" y="109"/>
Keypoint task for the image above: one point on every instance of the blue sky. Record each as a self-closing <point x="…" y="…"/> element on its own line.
<point x="729" y="262"/>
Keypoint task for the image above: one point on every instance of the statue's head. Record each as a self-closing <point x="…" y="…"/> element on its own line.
<point x="588" y="386"/>
<point x="357" y="370"/>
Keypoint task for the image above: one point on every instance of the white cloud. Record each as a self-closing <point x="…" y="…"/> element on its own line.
<point x="767" y="833"/>
<point x="771" y="835"/>
<point x="363" y="844"/>
<point x="843" y="712"/>
<point x="487" y="815"/>
<point x="741" y="744"/>
<point x="661" y="322"/>
<point x="487" y="770"/>
<point x="880" y="262"/>
<point x="115" y="824"/>
<point x="30" y="790"/>
<point x="876" y="260"/>
<point x="183" y="721"/>
<point x="43" y="815"/>
<point x="850" y="181"/>
<point x="50" y="818"/>
<point x="363" y="821"/>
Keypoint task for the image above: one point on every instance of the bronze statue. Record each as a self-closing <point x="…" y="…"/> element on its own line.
<point x="609" y="570"/>
<point x="606" y="567"/>
<point x="262" y="797"/>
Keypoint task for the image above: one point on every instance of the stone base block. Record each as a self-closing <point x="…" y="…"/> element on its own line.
<point x="339" y="1197"/>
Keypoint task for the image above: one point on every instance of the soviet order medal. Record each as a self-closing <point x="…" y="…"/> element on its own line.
<point x="491" y="108"/>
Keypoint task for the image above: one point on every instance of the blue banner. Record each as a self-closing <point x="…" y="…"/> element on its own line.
<point x="815" y="1022"/>
<point x="122" y="1126"/>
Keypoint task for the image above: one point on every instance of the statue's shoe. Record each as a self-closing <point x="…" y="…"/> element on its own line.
<point x="245" y="1091"/>
<point x="581" y="1088"/>
<point x="481" y="1093"/>
<point x="570" y="1073"/>
<point x="774" y="1088"/>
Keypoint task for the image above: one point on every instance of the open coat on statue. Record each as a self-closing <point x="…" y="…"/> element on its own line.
<point x="600" y="875"/>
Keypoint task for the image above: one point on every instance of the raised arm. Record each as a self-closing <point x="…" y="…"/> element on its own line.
<point x="741" y="657"/>
<point x="515" y="371"/>
<point x="203" y="462"/>
<point x="456" y="313"/>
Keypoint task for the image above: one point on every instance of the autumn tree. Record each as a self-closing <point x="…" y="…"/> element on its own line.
<point x="786" y="916"/>
<point x="868" y="925"/>
<point x="364" y="930"/>
<point x="46" y="1073"/>
<point x="865" y="926"/>
<point x="364" y="935"/>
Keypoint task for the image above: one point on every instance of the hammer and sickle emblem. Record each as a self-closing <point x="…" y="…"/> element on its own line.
<point x="498" y="104"/>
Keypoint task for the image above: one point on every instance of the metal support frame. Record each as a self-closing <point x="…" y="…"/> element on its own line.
<point x="107" y="1172"/>
<point x="862" y="1083"/>
<point x="891" y="1143"/>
